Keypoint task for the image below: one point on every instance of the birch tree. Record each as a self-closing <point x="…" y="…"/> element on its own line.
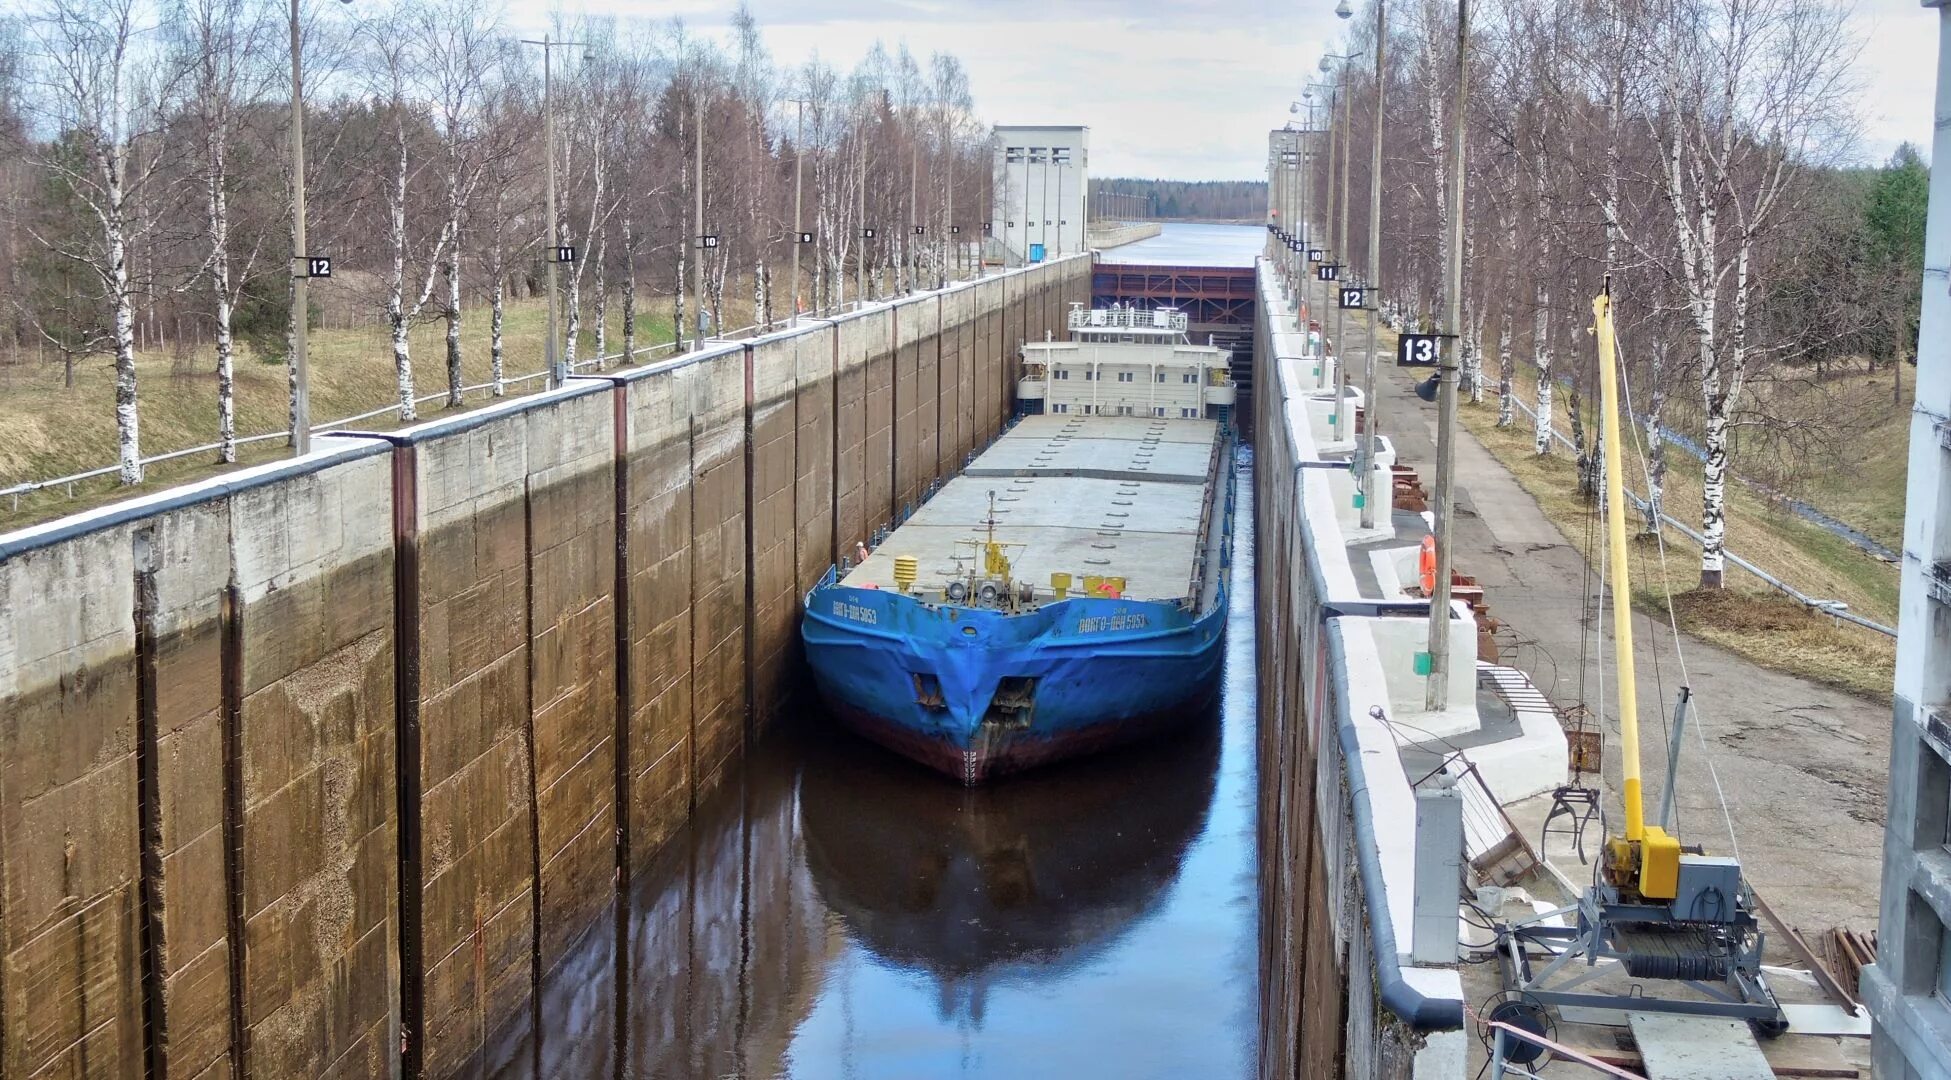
<point x="414" y="258"/>
<point x="98" y="86"/>
<point x="1749" y="89"/>
<point x="459" y="40"/>
<point x="226" y="43"/>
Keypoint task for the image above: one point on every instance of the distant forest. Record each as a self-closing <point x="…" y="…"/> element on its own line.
<point x="1131" y="198"/>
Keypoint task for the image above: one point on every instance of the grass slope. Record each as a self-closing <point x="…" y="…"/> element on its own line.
<point x="1749" y="617"/>
<point x="49" y="430"/>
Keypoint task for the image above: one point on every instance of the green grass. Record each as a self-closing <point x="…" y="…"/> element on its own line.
<point x="1748" y="617"/>
<point x="49" y="430"/>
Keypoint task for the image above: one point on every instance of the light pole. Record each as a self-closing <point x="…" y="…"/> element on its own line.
<point x="1338" y="138"/>
<point x="301" y="376"/>
<point x="1365" y="479"/>
<point x="799" y="174"/>
<point x="550" y="347"/>
<point x="1439" y="602"/>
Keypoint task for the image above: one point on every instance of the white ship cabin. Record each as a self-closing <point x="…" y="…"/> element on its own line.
<point x="1127" y="361"/>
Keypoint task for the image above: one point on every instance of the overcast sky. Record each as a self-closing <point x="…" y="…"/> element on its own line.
<point x="1187" y="89"/>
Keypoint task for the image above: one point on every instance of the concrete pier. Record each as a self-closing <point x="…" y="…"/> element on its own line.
<point x="321" y="768"/>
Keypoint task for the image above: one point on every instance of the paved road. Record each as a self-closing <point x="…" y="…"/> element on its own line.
<point x="1804" y="767"/>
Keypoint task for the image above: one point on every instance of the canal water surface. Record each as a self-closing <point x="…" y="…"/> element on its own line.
<point x="838" y="912"/>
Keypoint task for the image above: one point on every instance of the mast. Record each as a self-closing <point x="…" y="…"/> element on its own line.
<point x="1645" y="859"/>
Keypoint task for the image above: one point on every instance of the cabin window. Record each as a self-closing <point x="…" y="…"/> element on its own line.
<point x="1126" y="376"/>
<point x="1060" y="407"/>
<point x="1063" y="373"/>
<point x="1124" y="410"/>
<point x="1189" y="378"/>
<point x="1189" y="414"/>
<point x="1090" y="376"/>
<point x="1161" y="376"/>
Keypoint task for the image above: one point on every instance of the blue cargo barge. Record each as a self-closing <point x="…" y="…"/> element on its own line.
<point x="1067" y="591"/>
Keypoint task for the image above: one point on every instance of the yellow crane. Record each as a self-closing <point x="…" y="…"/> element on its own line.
<point x="1645" y="859"/>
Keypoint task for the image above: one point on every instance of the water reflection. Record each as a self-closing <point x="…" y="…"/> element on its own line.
<point x="839" y="912"/>
<point x="1042" y="872"/>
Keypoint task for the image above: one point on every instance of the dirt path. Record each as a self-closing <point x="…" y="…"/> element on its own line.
<point x="1804" y="767"/>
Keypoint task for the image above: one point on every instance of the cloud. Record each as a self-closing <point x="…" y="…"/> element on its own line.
<point x="1187" y="89"/>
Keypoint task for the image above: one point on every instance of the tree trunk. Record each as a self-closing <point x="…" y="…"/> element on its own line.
<point x="127" y="433"/>
<point x="1541" y="358"/>
<point x="1506" y="407"/>
<point x="1656" y="440"/>
<point x="602" y="305"/>
<point x="218" y="205"/>
<point x="629" y="291"/>
<point x="496" y="312"/>
<point x="396" y="317"/>
<point x="677" y="307"/>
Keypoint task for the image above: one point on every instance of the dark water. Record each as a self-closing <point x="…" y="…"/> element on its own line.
<point x="838" y="912"/>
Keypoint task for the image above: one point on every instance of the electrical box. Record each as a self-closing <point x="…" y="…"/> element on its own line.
<point x="1659" y="864"/>
<point x="1709" y="888"/>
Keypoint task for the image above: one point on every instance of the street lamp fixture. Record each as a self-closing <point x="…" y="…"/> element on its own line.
<point x="1342" y="9"/>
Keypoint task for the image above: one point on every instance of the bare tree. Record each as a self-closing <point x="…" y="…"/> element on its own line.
<point x="103" y="91"/>
<point x="459" y="37"/>
<point x="226" y="44"/>
<point x="415" y="257"/>
<point x="1749" y="91"/>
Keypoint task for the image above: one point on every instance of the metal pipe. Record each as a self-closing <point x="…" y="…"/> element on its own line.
<point x="550" y="347"/>
<point x="301" y="378"/>
<point x="698" y="210"/>
<point x="1366" y="480"/>
<point x="799" y="179"/>
<point x="1673" y="754"/>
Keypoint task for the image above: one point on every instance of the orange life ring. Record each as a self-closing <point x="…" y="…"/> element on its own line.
<point x="1426" y="566"/>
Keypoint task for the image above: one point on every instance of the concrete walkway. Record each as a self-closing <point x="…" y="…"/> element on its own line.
<point x="1804" y="767"/>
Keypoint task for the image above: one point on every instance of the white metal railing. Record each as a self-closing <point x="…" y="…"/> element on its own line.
<point x="16" y="492"/>
<point x="1126" y="318"/>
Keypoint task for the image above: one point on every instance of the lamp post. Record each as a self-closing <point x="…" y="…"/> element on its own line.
<point x="1437" y="690"/>
<point x="301" y="380"/>
<point x="1337" y="228"/>
<point x="550" y="347"/>
<point x="799" y="176"/>
<point x="1365" y="479"/>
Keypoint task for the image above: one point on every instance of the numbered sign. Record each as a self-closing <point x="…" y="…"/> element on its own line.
<point x="806" y="238"/>
<point x="708" y="240"/>
<point x="1316" y="254"/>
<point x="988" y="227"/>
<point x="867" y="234"/>
<point x="1418" y="350"/>
<point x="1329" y="272"/>
<point x="919" y="229"/>
<point x="1351" y="296"/>
<point x="318" y="266"/>
<point x="955" y="230"/>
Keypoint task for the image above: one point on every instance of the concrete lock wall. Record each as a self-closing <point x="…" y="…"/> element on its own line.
<point x="316" y="768"/>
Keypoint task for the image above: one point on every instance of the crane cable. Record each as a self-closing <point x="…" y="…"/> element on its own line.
<point x="1673" y="624"/>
